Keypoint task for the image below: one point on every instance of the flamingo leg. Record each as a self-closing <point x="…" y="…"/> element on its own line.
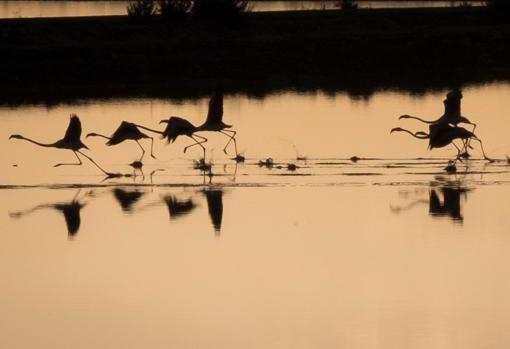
<point x="459" y="151"/>
<point x="72" y="163"/>
<point x="232" y="138"/>
<point x="197" y="143"/>
<point x="459" y="154"/>
<point x="481" y="147"/>
<point x="469" y="140"/>
<point x="92" y="161"/>
<point x="143" y="150"/>
<point x="152" y="147"/>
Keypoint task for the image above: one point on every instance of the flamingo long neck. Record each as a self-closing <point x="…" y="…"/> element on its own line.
<point x="99" y="135"/>
<point x="416" y="135"/>
<point x="48" y="145"/>
<point x="422" y="120"/>
<point x="149" y="129"/>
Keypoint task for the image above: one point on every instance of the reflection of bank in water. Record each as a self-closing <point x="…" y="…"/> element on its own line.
<point x="444" y="200"/>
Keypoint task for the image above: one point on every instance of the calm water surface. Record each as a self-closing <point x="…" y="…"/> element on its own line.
<point x="15" y="9"/>
<point x="388" y="252"/>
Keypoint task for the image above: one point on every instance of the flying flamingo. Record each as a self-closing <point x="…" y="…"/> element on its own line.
<point x="214" y="121"/>
<point x="126" y="131"/>
<point x="452" y="114"/>
<point x="177" y="126"/>
<point x="70" y="141"/>
<point x="441" y="135"/>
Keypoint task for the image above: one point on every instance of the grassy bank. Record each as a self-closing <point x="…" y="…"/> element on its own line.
<point x="358" y="51"/>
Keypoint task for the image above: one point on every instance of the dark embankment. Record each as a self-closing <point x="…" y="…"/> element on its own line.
<point x="51" y="60"/>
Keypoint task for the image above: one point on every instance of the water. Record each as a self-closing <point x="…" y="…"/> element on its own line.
<point x="25" y="9"/>
<point x="387" y="252"/>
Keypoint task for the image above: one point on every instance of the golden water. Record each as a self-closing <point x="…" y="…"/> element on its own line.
<point x="388" y="252"/>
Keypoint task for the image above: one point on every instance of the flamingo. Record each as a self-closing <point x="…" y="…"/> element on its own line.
<point x="441" y="135"/>
<point x="177" y="126"/>
<point x="126" y="131"/>
<point x="452" y="114"/>
<point x="71" y="141"/>
<point x="214" y="121"/>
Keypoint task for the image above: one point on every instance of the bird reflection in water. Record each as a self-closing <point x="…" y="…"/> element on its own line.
<point x="178" y="207"/>
<point x="444" y="200"/>
<point x="214" y="199"/>
<point x="127" y="198"/>
<point x="70" y="210"/>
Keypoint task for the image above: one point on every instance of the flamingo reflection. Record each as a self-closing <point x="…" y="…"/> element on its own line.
<point x="443" y="201"/>
<point x="70" y="210"/>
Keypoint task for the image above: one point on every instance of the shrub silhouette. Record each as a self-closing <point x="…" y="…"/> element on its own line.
<point x="219" y="9"/>
<point x="499" y="9"/>
<point x="170" y="9"/>
<point x="141" y="9"/>
<point x="348" y="5"/>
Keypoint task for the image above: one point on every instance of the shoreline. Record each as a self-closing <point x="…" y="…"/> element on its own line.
<point x="53" y="60"/>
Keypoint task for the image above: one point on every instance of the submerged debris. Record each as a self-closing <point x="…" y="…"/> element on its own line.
<point x="266" y="163"/>
<point x="291" y="167"/>
<point x="202" y="165"/>
<point x="451" y="168"/>
<point x="137" y="165"/>
<point x="239" y="158"/>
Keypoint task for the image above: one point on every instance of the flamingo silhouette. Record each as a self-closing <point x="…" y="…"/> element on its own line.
<point x="126" y="131"/>
<point x="452" y="114"/>
<point x="441" y="135"/>
<point x="70" y="141"/>
<point x="214" y="121"/>
<point x="177" y="126"/>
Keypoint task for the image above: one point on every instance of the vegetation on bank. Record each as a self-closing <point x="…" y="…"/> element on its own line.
<point x="499" y="9"/>
<point x="358" y="51"/>
<point x="226" y="10"/>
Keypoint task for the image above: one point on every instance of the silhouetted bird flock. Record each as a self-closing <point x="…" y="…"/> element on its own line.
<point x="442" y="132"/>
<point x="445" y="130"/>
<point x="175" y="127"/>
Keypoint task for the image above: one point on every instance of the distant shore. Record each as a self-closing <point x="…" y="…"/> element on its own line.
<point x="57" y="59"/>
<point x="468" y="1"/>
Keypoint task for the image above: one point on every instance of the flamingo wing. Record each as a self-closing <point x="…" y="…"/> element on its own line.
<point x="73" y="132"/>
<point x="177" y="126"/>
<point x="126" y="130"/>
<point x="215" y="112"/>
